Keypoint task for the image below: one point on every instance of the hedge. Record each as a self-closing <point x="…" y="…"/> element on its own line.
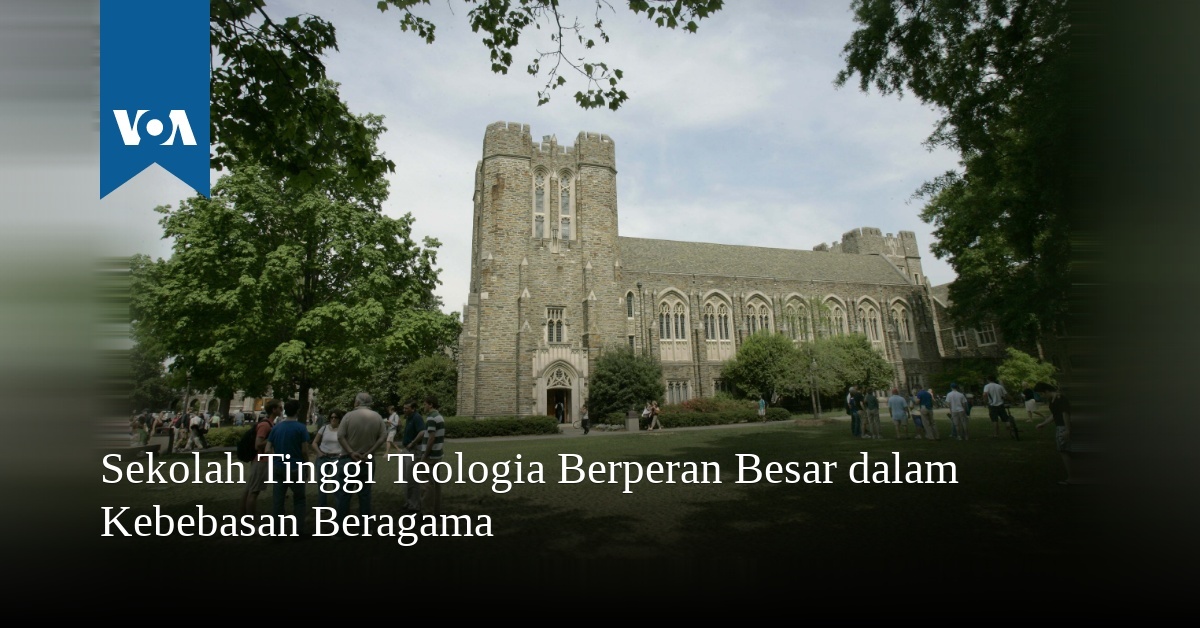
<point x="467" y="427"/>
<point x="674" y="416"/>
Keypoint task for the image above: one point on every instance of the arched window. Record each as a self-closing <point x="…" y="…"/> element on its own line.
<point x="710" y="322"/>
<point x="797" y="321"/>
<point x="673" y="330"/>
<point x="539" y="204"/>
<point x="554" y="325"/>
<point x="629" y="304"/>
<point x="903" y="322"/>
<point x="789" y="322"/>
<point x="539" y="192"/>
<point x="868" y="318"/>
<point x="837" y="320"/>
<point x="723" y="322"/>
<point x="564" y="192"/>
<point x="758" y="316"/>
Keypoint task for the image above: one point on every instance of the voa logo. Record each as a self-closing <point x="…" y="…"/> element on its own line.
<point x="154" y="127"/>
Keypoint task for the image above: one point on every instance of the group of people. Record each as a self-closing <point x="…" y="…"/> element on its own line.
<point x="863" y="409"/>
<point x="650" y="416"/>
<point x="190" y="429"/>
<point x="345" y="438"/>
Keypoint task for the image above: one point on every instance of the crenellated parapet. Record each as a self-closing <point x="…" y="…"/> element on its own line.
<point x="596" y="149"/>
<point x="507" y="138"/>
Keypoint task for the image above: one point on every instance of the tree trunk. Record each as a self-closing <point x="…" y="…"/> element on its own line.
<point x="305" y="389"/>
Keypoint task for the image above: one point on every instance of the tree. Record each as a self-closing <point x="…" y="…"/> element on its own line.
<point x="431" y="375"/>
<point x="1020" y="367"/>
<point x="766" y="364"/>
<point x="151" y="386"/>
<point x="997" y="70"/>
<point x="269" y="105"/>
<point x="819" y="366"/>
<point x="622" y="379"/>
<point x="860" y="364"/>
<point x="291" y="287"/>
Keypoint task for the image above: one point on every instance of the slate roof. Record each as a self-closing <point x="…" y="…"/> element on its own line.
<point x="941" y="293"/>
<point x="727" y="260"/>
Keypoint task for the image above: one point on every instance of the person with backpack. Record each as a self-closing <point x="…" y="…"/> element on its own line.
<point x="258" y="467"/>
<point x="197" y="428"/>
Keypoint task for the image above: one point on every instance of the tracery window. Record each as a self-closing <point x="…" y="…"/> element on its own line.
<point x="554" y="325"/>
<point x="629" y="304"/>
<point x="539" y="204"/>
<point x="673" y="330"/>
<point x="904" y="324"/>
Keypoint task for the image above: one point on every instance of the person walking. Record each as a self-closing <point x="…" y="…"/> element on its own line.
<point x="559" y="411"/>
<point x="1030" y="397"/>
<point x="1060" y="416"/>
<point x="654" y="424"/>
<point x="583" y="418"/>
<point x="995" y="395"/>
<point x="871" y="408"/>
<point x="435" y="436"/>
<point x="762" y="408"/>
<point x="958" y="412"/>
<point x="925" y="398"/>
<point x="898" y="407"/>
<point x="412" y="443"/>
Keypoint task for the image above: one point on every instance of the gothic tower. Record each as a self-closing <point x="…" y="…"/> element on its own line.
<point x="543" y="297"/>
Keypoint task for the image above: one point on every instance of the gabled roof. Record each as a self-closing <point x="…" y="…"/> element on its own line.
<point x="941" y="293"/>
<point x="727" y="260"/>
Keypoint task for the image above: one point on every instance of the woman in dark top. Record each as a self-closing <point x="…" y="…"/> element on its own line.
<point x="1060" y="415"/>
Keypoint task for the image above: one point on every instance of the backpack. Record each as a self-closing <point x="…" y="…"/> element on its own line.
<point x="246" y="451"/>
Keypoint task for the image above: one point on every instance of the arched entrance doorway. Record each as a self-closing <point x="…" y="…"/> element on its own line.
<point x="560" y="381"/>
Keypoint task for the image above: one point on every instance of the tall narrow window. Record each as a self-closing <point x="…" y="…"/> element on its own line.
<point x="764" y="319"/>
<point x="664" y="322"/>
<point x="723" y="321"/>
<point x="554" y="324"/>
<point x="564" y="193"/>
<point x="710" y="322"/>
<point x="539" y="205"/>
<point x="566" y="228"/>
<point x="629" y="305"/>
<point x="903" y="322"/>
<point x="539" y="193"/>
<point x="680" y="323"/>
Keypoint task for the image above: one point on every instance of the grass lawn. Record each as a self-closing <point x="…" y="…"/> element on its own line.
<point x="1006" y="516"/>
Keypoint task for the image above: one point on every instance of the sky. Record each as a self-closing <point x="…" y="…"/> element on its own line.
<point x="735" y="134"/>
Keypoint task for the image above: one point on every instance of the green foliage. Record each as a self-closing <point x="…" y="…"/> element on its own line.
<point x="997" y="70"/>
<point x="859" y="363"/>
<point x="465" y="427"/>
<point x="431" y="375"/>
<point x="680" y="416"/>
<point x="288" y="286"/>
<point x="766" y="364"/>
<point x="717" y="404"/>
<point x="969" y="374"/>
<point x="622" y="379"/>
<point x="229" y="436"/>
<point x="272" y="106"/>
<point x="1020" y="368"/>
<point x="151" y="387"/>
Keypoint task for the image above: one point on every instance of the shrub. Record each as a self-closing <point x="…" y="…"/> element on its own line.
<point x="718" y="404"/>
<point x="622" y="379"/>
<point x="229" y="436"/>
<point x="466" y="427"/>
<point x="678" y="416"/>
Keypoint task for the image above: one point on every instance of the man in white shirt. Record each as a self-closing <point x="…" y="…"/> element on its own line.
<point x="996" y="396"/>
<point x="393" y="422"/>
<point x="957" y="402"/>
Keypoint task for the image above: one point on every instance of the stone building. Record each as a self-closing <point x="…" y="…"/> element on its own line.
<point x="553" y="285"/>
